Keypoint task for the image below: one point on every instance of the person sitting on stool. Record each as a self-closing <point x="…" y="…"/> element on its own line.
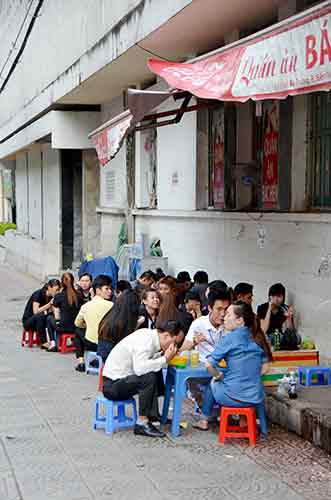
<point x="38" y="307"/>
<point x="131" y="368"/>
<point x="89" y="317"/>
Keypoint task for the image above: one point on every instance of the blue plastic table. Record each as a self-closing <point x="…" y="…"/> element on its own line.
<point x="177" y="378"/>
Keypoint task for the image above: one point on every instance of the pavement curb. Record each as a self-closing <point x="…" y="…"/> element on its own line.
<point x="308" y="420"/>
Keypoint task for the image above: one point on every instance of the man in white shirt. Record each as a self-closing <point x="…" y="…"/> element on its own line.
<point x="204" y="334"/>
<point x="206" y="331"/>
<point x="131" y="368"/>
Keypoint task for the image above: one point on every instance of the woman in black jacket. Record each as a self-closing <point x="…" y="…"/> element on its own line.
<point x="149" y="309"/>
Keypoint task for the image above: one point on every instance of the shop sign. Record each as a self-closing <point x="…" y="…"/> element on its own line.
<point x="270" y="155"/>
<point x="294" y="58"/>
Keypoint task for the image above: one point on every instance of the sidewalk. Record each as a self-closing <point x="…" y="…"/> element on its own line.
<point x="49" y="451"/>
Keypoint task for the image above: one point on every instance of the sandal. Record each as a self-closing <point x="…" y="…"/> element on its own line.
<point x="197" y="425"/>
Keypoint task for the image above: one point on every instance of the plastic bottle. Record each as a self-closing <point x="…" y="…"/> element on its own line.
<point x="276" y="340"/>
<point x="292" y="391"/>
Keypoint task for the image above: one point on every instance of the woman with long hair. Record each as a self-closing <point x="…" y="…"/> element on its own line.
<point x="119" y="322"/>
<point x="66" y="306"/>
<point x="167" y="286"/>
<point x="37" y="309"/>
<point x="239" y="385"/>
<point x="149" y="310"/>
<point x="169" y="311"/>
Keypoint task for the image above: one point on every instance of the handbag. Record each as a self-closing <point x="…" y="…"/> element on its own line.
<point x="290" y="340"/>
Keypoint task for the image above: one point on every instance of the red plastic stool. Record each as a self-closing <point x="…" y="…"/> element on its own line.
<point x="100" y="379"/>
<point x="30" y="338"/>
<point x="235" y="431"/>
<point x="63" y="343"/>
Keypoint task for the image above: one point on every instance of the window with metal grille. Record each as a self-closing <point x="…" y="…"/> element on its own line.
<point x="320" y="149"/>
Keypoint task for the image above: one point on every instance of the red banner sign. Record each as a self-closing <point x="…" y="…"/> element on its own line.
<point x="108" y="139"/>
<point x="270" y="156"/>
<point x="293" y="58"/>
<point x="218" y="157"/>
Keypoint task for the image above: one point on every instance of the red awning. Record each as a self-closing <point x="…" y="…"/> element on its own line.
<point x="292" y="57"/>
<point x="108" y="138"/>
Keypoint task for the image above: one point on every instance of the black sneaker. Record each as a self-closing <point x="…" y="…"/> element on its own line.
<point x="80" y="367"/>
<point x="158" y="421"/>
<point x="53" y="349"/>
<point x="148" y="430"/>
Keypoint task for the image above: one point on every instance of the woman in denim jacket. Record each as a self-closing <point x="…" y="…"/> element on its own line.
<point x="240" y="384"/>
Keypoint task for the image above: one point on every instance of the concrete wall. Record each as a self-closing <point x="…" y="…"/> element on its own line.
<point x="227" y="247"/>
<point x="21" y="182"/>
<point x="91" y="187"/>
<point x="26" y="250"/>
<point x="91" y="35"/>
<point x="176" y="163"/>
<point x="35" y="186"/>
<point x="296" y="249"/>
<point x="110" y="225"/>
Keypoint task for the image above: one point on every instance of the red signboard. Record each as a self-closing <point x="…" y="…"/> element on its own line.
<point x="293" y="58"/>
<point x="218" y="157"/>
<point x="270" y="155"/>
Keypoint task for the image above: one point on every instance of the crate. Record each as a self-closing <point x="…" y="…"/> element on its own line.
<point x="286" y="361"/>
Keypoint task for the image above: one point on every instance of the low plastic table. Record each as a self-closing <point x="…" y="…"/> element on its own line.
<point x="177" y="378"/>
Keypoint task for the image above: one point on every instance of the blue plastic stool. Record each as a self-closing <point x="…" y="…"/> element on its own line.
<point x="90" y="356"/>
<point x="112" y="421"/>
<point x="306" y="374"/>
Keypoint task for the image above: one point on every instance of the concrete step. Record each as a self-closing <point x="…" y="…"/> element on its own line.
<point x="309" y="416"/>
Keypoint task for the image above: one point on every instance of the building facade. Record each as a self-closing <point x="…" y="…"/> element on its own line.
<point x="164" y="181"/>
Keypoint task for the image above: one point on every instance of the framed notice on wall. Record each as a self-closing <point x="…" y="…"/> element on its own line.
<point x="270" y="155"/>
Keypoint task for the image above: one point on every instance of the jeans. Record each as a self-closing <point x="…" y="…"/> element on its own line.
<point x="146" y="386"/>
<point x="224" y="400"/>
<point x="209" y="401"/>
<point x="104" y="348"/>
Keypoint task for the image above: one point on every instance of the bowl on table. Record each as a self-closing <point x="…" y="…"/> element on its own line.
<point x="179" y="361"/>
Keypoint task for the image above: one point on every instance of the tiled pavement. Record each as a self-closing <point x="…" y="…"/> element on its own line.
<point x="48" y="450"/>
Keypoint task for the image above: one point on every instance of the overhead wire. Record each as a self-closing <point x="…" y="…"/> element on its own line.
<point x="17" y="37"/>
<point x="24" y="42"/>
<point x="153" y="53"/>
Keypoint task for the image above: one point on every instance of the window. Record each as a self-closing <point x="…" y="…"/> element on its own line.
<point x="320" y="149"/>
<point x="249" y="155"/>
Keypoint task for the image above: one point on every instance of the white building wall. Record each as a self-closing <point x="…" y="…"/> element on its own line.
<point x="299" y="152"/>
<point x="176" y="163"/>
<point x="52" y="196"/>
<point x="25" y="249"/>
<point x="35" y="190"/>
<point x="21" y="182"/>
<point x="227" y="247"/>
<point x="92" y="35"/>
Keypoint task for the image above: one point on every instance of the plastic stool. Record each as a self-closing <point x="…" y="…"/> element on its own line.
<point x="100" y="378"/>
<point x="111" y="421"/>
<point x="306" y="374"/>
<point x="235" y="431"/>
<point x="30" y="338"/>
<point x="91" y="356"/>
<point x="63" y="343"/>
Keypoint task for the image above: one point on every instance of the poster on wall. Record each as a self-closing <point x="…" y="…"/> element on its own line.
<point x="148" y="162"/>
<point x="270" y="155"/>
<point x="218" y="157"/>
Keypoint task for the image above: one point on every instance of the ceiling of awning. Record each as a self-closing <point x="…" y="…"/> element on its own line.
<point x="199" y="27"/>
